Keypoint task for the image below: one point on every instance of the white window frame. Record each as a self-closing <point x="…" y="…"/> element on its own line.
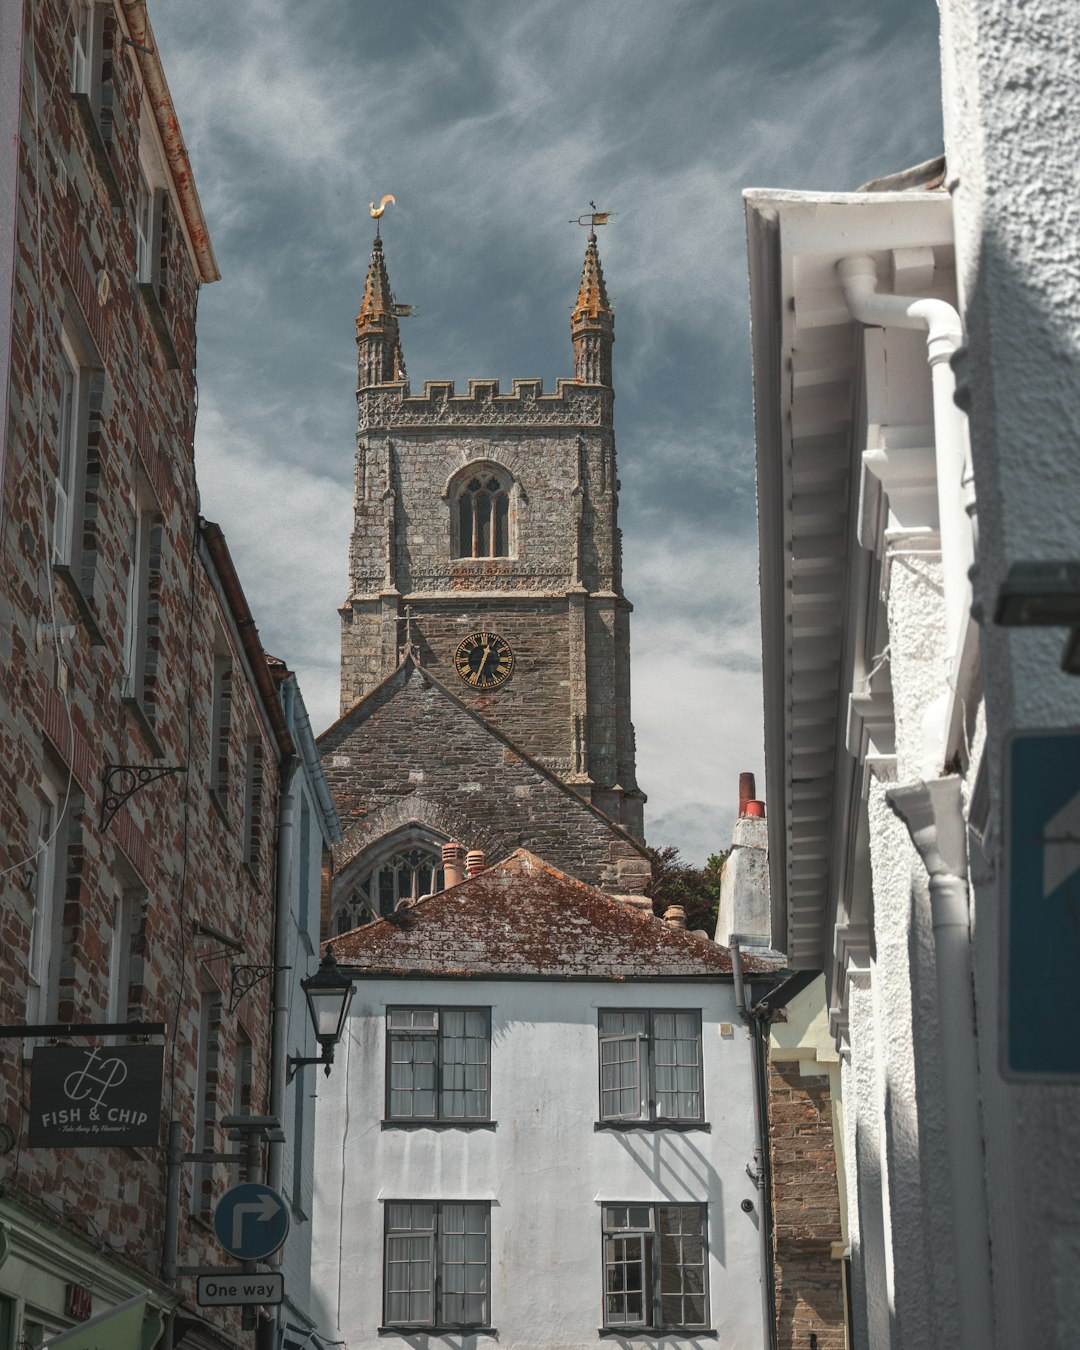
<point x="632" y="1058"/>
<point x="43" y="956"/>
<point x="70" y="451"/>
<point x="406" y="1248"/>
<point x="82" y="46"/>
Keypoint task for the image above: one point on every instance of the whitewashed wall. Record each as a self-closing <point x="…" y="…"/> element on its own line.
<point x="1012" y="132"/>
<point x="545" y="1169"/>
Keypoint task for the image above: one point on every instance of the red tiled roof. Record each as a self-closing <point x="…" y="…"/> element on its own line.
<point x="523" y="917"/>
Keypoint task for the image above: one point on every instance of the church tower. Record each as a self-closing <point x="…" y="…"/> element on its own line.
<point x="486" y="548"/>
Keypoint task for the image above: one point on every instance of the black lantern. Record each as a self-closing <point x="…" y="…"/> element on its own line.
<point x="328" y="992"/>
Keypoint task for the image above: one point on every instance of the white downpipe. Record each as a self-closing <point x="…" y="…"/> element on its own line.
<point x="933" y="814"/>
<point x="944" y="334"/>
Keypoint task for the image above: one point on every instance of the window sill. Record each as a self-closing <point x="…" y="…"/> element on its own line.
<point x="217" y="796"/>
<point x="438" y="1124"/>
<point x="86" y="614"/>
<point x="136" y="709"/>
<point x="461" y="1329"/>
<point x="653" y="1126"/>
<point x="635" y="1333"/>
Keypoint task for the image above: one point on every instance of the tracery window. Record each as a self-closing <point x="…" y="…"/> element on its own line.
<point x="483" y="518"/>
<point x="408" y="874"/>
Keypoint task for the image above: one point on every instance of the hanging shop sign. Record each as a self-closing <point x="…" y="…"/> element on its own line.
<point x="96" y="1096"/>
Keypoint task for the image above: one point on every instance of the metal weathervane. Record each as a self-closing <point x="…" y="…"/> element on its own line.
<point x="377" y="211"/>
<point x="594" y="217"/>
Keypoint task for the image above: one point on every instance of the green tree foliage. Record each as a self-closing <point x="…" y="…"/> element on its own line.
<point x="697" y="889"/>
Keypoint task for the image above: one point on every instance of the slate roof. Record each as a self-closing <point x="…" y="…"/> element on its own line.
<point x="524" y="918"/>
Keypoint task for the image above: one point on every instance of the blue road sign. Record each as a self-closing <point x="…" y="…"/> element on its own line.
<point x="1041" y="931"/>
<point x="251" y="1221"/>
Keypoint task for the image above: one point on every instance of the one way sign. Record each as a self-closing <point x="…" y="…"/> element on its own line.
<point x="251" y="1221"/>
<point x="1041" y="931"/>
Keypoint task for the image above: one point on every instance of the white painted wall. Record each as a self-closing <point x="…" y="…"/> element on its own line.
<point x="1012" y="131"/>
<point x="545" y="1168"/>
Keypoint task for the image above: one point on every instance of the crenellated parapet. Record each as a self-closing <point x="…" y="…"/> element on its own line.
<point x="393" y="406"/>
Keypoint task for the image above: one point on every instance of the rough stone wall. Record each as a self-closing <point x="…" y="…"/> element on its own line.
<point x="410" y="753"/>
<point x="63" y="714"/>
<point x="806" y="1209"/>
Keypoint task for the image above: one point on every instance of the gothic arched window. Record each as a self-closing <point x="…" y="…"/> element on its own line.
<point x="483" y="517"/>
<point x="412" y="871"/>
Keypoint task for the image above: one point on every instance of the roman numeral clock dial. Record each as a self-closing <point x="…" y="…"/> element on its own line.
<point x="484" y="660"/>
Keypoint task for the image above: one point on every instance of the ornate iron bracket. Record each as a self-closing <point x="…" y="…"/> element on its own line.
<point x="244" y="978"/>
<point x="124" y="780"/>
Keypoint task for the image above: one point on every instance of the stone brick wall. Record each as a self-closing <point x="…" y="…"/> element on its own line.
<point x="557" y="597"/>
<point x="806" y="1210"/>
<point x="175" y="849"/>
<point x="411" y="754"/>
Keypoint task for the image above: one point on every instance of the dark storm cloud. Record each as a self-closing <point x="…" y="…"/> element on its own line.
<point x="493" y="124"/>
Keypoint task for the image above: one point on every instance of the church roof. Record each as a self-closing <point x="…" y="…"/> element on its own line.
<point x="525" y="918"/>
<point x="592" y="300"/>
<point x="460" y="750"/>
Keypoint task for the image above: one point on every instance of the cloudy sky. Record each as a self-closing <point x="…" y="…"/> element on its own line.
<point x="494" y="122"/>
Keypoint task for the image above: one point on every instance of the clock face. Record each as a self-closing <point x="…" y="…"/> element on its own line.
<point x="484" y="660"/>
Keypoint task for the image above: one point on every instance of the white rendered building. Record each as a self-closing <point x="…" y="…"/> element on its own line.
<point x="916" y="355"/>
<point x="537" y="1128"/>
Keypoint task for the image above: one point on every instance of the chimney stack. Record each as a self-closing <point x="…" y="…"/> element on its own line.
<point x="749" y="804"/>
<point x="475" y="862"/>
<point x="453" y="861"/>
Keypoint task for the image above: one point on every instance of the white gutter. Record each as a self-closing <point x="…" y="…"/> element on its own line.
<point x="933" y="814"/>
<point x="944" y="334"/>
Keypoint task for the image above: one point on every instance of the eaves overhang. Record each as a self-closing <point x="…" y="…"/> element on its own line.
<point x="807" y="355"/>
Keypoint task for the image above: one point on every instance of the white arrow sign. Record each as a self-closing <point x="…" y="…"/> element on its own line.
<point x="264" y="1209"/>
<point x="1061" y="846"/>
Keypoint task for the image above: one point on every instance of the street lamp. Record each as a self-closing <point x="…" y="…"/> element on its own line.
<point x="328" y="992"/>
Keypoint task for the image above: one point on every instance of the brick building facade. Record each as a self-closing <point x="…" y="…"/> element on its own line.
<point x="127" y="652"/>
<point x="486" y="531"/>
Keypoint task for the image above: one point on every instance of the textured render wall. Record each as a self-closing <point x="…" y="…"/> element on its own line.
<point x="186" y="870"/>
<point x="905" y="981"/>
<point x="544" y="1167"/>
<point x="744" y="886"/>
<point x="1012" y="123"/>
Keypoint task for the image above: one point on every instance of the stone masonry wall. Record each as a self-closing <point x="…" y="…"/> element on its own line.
<point x="411" y="753"/>
<point x="66" y="712"/>
<point x="806" y="1210"/>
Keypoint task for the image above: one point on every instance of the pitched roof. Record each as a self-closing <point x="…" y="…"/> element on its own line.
<point x="393" y="684"/>
<point x="523" y="917"/>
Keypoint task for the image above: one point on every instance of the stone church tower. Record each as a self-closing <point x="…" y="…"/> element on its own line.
<point x="486" y="545"/>
<point x="485" y="645"/>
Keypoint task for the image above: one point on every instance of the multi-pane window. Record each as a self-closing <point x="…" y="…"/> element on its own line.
<point x="43" y="992"/>
<point x="137" y="619"/>
<point x="80" y="46"/>
<point x="406" y="875"/>
<point x="68" y="454"/>
<point x="655" y="1266"/>
<point x="438" y="1063"/>
<point x="483" y="518"/>
<point x="220" y="722"/>
<point x="650" y="1065"/>
<point x="144" y="231"/>
<point x="438" y="1256"/>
